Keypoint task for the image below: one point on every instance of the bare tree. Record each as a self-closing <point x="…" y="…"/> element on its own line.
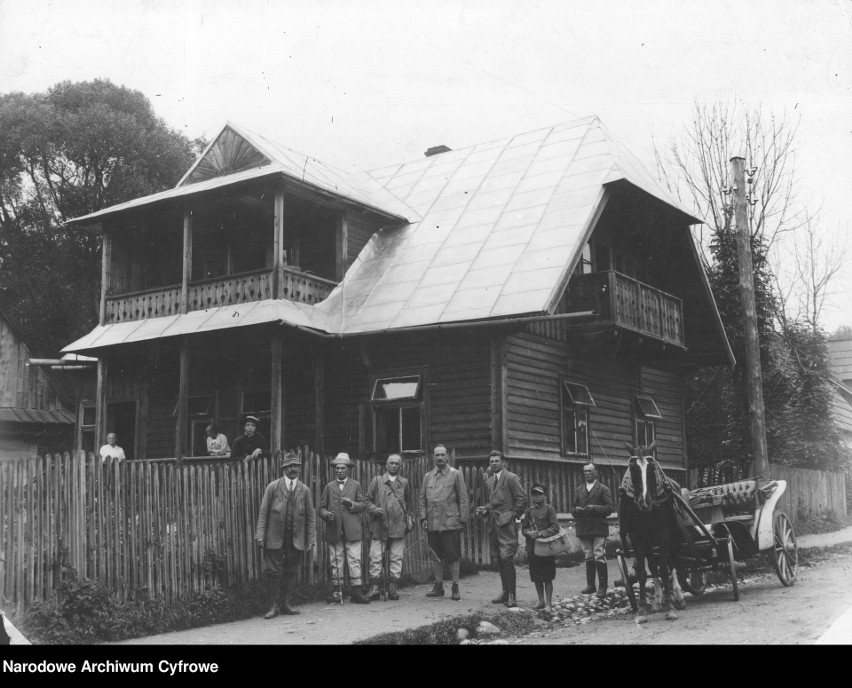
<point x="695" y="167"/>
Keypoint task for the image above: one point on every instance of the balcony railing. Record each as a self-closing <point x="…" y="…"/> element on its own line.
<point x="629" y="303"/>
<point x="215" y="292"/>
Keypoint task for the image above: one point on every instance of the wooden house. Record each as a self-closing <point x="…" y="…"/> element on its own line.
<point x="34" y="417"/>
<point x="540" y="294"/>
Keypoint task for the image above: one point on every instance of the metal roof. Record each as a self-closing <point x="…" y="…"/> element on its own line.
<point x="11" y="414"/>
<point x="503" y="224"/>
<point x="210" y="320"/>
<point x="359" y="188"/>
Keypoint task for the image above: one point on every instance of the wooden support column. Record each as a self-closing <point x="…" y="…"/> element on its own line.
<point x="341" y="244"/>
<point x="106" y="263"/>
<point x="278" y="245"/>
<point x="100" y="405"/>
<point x="276" y="386"/>
<point x="319" y="395"/>
<point x="497" y="409"/>
<point x="183" y="388"/>
<point x="142" y="410"/>
<point x="187" y="259"/>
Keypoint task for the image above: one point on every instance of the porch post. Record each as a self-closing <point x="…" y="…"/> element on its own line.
<point x="100" y="404"/>
<point x="187" y="259"/>
<point x="277" y="244"/>
<point x="277" y="425"/>
<point x="106" y="262"/>
<point x="180" y="434"/>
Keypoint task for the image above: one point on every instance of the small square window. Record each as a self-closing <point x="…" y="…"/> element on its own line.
<point x="397" y="389"/>
<point x="196" y="406"/>
<point x="578" y="394"/>
<point x="646" y="407"/>
<point x="88" y="415"/>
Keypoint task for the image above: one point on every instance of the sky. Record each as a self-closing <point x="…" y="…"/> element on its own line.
<point x="361" y="84"/>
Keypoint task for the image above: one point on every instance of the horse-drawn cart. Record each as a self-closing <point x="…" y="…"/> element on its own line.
<point x="723" y="524"/>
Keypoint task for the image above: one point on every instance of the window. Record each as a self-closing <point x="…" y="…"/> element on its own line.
<point x="87" y="428"/>
<point x="198" y="414"/>
<point x="575" y="400"/>
<point x="397" y="414"/>
<point x="646" y="414"/>
<point x="257" y="403"/>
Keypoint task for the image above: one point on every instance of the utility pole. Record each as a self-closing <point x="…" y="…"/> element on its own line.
<point x="754" y="381"/>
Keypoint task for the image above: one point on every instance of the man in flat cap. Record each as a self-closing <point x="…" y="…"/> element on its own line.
<point x="251" y="444"/>
<point x="286" y="527"/>
<point x="443" y="509"/>
<point x="387" y="498"/>
<point x="341" y="505"/>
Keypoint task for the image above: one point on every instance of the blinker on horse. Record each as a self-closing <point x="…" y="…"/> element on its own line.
<point x="648" y="521"/>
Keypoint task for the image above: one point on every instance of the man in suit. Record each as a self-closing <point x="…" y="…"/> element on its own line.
<point x="286" y="527"/>
<point x="443" y="509"/>
<point x="507" y="502"/>
<point x="592" y="505"/>
<point x="387" y="499"/>
<point x="341" y="505"/>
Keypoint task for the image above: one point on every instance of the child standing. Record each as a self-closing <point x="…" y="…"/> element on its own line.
<point x="540" y="522"/>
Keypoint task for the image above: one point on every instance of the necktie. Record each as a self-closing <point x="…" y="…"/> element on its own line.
<point x="292" y="486"/>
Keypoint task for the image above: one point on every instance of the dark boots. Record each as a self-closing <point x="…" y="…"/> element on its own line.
<point x="456" y="594"/>
<point x="437" y="591"/>
<point x="602" y="579"/>
<point x="590" y="578"/>
<point x="375" y="589"/>
<point x="510" y="577"/>
<point x="358" y="596"/>
<point x="393" y="592"/>
<point x="503" y="596"/>
<point x="272" y="585"/>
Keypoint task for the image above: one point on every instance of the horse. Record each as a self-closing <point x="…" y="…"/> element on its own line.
<point x="647" y="517"/>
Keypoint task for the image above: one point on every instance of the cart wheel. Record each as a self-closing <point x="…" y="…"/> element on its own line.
<point x="693" y="582"/>
<point x="786" y="556"/>
<point x="631" y="596"/>
<point x="733" y="563"/>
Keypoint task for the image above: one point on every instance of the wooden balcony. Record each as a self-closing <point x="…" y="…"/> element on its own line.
<point x="628" y="303"/>
<point x="245" y="287"/>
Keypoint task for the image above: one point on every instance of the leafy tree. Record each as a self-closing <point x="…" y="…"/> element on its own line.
<point x="794" y="357"/>
<point x="70" y="151"/>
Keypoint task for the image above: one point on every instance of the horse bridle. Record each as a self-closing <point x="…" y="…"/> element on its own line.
<point x="665" y="487"/>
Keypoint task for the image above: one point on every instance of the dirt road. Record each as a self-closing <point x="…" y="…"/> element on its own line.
<point x="767" y="613"/>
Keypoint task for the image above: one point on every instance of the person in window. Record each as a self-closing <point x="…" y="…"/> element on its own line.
<point x="592" y="505"/>
<point x="112" y="449"/>
<point x="251" y="444"/>
<point x="217" y="443"/>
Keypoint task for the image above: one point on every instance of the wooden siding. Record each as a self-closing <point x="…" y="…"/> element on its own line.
<point x="360" y="229"/>
<point x="666" y="388"/>
<point x="456" y="371"/>
<point x="23" y="386"/>
<point x="535" y="365"/>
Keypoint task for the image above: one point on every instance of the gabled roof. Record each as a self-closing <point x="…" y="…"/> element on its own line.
<point x="503" y="224"/>
<point x="238" y="155"/>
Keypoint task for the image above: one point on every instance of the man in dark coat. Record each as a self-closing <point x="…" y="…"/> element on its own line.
<point x="251" y="444"/>
<point x="387" y="503"/>
<point x="286" y="527"/>
<point x="341" y="506"/>
<point x="507" y="502"/>
<point x="592" y="505"/>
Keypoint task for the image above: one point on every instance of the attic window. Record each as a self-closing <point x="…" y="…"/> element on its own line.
<point x="397" y="389"/>
<point x="646" y="407"/>
<point x="577" y="394"/>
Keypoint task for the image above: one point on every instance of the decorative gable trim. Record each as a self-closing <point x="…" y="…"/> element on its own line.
<point x="229" y="152"/>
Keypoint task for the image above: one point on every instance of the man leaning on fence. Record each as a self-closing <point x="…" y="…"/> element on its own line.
<point x="387" y="499"/>
<point x="286" y="528"/>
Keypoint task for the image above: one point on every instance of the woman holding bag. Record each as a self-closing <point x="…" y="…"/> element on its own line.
<point x="540" y="523"/>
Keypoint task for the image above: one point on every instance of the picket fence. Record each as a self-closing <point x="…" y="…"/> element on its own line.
<point x="159" y="529"/>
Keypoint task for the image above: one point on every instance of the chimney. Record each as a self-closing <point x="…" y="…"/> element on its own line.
<point x="436" y="150"/>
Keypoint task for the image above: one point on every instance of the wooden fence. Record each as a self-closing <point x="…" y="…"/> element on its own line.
<point x="815" y="490"/>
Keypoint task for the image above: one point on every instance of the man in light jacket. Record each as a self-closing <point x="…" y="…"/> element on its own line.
<point x="286" y="527"/>
<point x="341" y="506"/>
<point x="592" y="505"/>
<point x="387" y="503"/>
<point x="507" y="502"/>
<point x="443" y="509"/>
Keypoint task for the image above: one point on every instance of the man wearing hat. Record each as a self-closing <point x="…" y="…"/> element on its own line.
<point x="286" y="527"/>
<point x="506" y="503"/>
<point x="251" y="444"/>
<point x="387" y="499"/>
<point x="341" y="505"/>
<point x="592" y="505"/>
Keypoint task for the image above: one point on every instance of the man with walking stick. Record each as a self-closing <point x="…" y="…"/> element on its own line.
<point x="387" y="503"/>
